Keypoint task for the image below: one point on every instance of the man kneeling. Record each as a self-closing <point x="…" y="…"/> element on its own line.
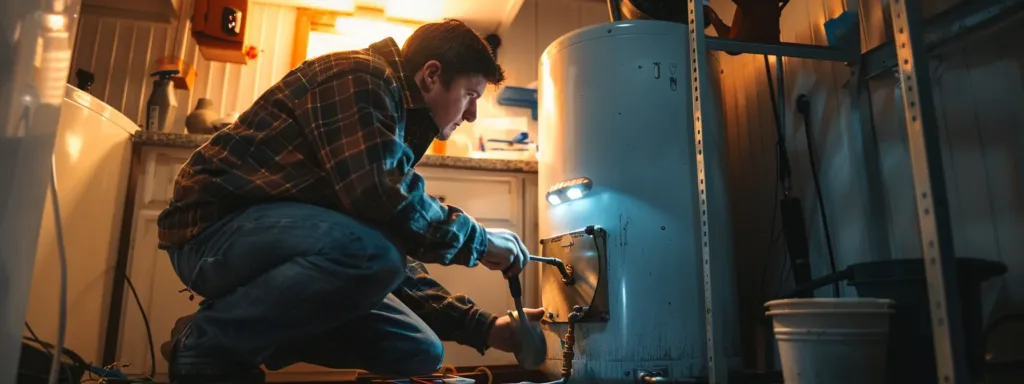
<point x="295" y="222"/>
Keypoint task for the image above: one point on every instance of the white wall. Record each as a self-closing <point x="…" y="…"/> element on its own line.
<point x="979" y="96"/>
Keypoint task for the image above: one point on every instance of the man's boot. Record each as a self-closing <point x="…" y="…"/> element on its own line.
<point x="191" y="366"/>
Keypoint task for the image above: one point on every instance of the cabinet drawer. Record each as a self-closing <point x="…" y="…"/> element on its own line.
<point x="489" y="197"/>
<point x="160" y="167"/>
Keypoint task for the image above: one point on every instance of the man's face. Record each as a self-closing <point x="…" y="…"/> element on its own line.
<point x="451" y="105"/>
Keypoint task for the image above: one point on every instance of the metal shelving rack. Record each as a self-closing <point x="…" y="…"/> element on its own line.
<point x="914" y="39"/>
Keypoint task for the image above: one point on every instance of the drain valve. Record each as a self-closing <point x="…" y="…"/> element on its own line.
<point x="650" y="377"/>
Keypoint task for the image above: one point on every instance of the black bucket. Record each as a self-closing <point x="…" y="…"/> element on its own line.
<point x="911" y="350"/>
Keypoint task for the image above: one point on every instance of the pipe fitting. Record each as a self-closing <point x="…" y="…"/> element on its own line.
<point x="564" y="269"/>
<point x="650" y="377"/>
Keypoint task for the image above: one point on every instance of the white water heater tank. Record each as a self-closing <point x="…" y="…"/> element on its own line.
<point x="615" y="120"/>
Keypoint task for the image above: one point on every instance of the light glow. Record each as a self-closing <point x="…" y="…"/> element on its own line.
<point x="554" y="200"/>
<point x="356" y="32"/>
<point x="343" y="6"/>
<point x="573" y="189"/>
<point x="73" y="144"/>
<point x="55" y="21"/>
<point x="417" y="10"/>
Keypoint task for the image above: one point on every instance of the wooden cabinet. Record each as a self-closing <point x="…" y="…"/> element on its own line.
<point x="496" y="199"/>
<point x="158" y="11"/>
<point x="220" y="28"/>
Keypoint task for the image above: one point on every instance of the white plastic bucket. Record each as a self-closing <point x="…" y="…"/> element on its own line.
<point x="831" y="340"/>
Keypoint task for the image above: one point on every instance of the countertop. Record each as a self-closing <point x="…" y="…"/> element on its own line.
<point x="184" y="140"/>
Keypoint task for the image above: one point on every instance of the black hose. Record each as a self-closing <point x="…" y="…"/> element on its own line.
<point x="834" y="279"/>
<point x="784" y="175"/>
<point x="145" y="321"/>
<point x="784" y="170"/>
<point x="803" y="105"/>
<point x="567" y="276"/>
<point x="772" y="237"/>
<point x="615" y="10"/>
<point x="778" y="174"/>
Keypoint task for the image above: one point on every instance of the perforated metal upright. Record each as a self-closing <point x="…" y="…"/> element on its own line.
<point x="913" y="39"/>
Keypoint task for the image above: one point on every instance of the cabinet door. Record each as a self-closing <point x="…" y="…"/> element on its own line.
<point x="149" y="268"/>
<point x="531" y="236"/>
<point x="495" y="200"/>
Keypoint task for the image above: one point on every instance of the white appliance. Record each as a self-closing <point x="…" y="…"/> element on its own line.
<point x="35" y="53"/>
<point x="617" y="148"/>
<point x="92" y="153"/>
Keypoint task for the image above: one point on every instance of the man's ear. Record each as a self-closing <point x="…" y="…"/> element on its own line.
<point x="431" y="74"/>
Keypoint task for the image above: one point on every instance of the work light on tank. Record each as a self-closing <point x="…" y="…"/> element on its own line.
<point x="569" y="190"/>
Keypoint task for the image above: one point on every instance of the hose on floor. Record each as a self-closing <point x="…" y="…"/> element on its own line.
<point x="490" y="376"/>
<point x="448" y="370"/>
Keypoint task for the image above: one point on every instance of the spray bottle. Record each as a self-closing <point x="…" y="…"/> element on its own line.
<point x="163" y="103"/>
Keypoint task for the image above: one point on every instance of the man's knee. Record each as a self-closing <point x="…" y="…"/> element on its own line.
<point x="373" y="251"/>
<point x="316" y="243"/>
<point x="424" y="358"/>
<point x="348" y="242"/>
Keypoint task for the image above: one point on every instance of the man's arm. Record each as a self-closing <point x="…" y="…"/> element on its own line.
<point x="452" y="317"/>
<point x="353" y="122"/>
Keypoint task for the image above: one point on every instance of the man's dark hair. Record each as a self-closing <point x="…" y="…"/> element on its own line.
<point x="459" y="49"/>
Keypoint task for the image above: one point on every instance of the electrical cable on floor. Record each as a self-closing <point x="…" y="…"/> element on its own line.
<point x="145" y="322"/>
<point x="803" y="105"/>
<point x="484" y="370"/>
<point x="46" y="347"/>
<point x="62" y="315"/>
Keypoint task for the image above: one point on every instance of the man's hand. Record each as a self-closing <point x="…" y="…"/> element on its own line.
<point x="503" y="337"/>
<point x="505" y="251"/>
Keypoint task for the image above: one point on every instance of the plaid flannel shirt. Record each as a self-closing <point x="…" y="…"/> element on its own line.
<point x="341" y="131"/>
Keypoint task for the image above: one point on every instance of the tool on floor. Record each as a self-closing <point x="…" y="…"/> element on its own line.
<point x="531" y="352"/>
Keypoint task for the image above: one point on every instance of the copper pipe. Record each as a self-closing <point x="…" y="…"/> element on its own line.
<point x="568" y="352"/>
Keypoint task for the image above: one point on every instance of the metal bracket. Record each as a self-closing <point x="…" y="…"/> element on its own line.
<point x="930" y="192"/>
<point x="717" y="371"/>
<point x="583" y="254"/>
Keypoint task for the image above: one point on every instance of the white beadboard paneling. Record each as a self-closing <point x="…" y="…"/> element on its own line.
<point x="979" y="95"/>
<point x="120" y="52"/>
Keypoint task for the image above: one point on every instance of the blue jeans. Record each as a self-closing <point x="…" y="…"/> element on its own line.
<point x="289" y="282"/>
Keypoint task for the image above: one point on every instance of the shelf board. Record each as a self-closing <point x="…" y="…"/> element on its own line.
<point x="803" y="51"/>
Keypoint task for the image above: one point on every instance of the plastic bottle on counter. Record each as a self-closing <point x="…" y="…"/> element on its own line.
<point x="163" y="103"/>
